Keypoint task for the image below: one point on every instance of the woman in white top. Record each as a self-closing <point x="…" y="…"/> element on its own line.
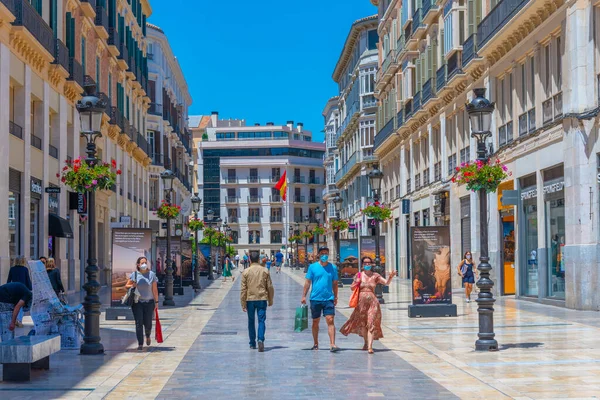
<point x="146" y="283"/>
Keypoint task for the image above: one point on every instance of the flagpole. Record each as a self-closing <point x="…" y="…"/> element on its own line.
<point x="286" y="226"/>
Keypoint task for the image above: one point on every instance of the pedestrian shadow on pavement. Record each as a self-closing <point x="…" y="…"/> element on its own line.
<point x="531" y="345"/>
<point x="275" y="348"/>
<point x="151" y="350"/>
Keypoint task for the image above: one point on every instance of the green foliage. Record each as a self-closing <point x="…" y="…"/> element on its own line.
<point x="338" y="225"/>
<point x="83" y="177"/>
<point x="377" y="211"/>
<point x="479" y="175"/>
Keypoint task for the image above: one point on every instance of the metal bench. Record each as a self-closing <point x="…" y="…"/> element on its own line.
<point x="20" y="355"/>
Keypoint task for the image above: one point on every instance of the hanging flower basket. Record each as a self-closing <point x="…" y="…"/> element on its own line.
<point x="83" y="178"/>
<point x="481" y="175"/>
<point x="377" y="211"/>
<point x="318" y="231"/>
<point x="294" y="238"/>
<point x="306" y="235"/>
<point x="339" y="225"/>
<point x="195" y="224"/>
<point x="166" y="211"/>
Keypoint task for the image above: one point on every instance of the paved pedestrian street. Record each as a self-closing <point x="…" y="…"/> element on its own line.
<point x="545" y="352"/>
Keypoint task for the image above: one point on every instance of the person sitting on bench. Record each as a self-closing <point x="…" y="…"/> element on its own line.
<point x="16" y="296"/>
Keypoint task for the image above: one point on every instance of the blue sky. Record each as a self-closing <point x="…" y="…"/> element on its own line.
<point x="262" y="60"/>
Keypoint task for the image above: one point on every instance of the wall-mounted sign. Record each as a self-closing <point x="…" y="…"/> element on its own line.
<point x="36" y="186"/>
<point x="52" y="189"/>
<point x="547" y="189"/>
<point x="405" y="206"/>
<point x="125" y="219"/>
<point x="81" y="203"/>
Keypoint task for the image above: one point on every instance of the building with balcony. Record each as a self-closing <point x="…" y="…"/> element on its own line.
<point x="331" y="114"/>
<point x="546" y="103"/>
<point x="170" y="140"/>
<point x="239" y="165"/>
<point x="355" y="74"/>
<point x="49" y="52"/>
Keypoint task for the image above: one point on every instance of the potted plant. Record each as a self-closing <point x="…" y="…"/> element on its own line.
<point x="318" y="231"/>
<point x="195" y="224"/>
<point x="83" y="177"/>
<point x="339" y="225"/>
<point x="377" y="211"/>
<point x="166" y="211"/>
<point x="480" y="175"/>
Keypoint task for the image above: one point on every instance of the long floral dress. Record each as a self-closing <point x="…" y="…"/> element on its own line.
<point x="368" y="312"/>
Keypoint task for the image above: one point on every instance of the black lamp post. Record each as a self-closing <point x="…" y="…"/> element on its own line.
<point x="290" y="245"/>
<point x="338" y="201"/>
<point x="297" y="254"/>
<point x="167" y="177"/>
<point x="210" y="214"/>
<point x="218" y="261"/>
<point x="480" y="112"/>
<point x="306" y="225"/>
<point x="90" y="110"/>
<point x="375" y="178"/>
<point x="318" y="221"/>
<point x="225" y="229"/>
<point x="196" y="202"/>
<point x="228" y="246"/>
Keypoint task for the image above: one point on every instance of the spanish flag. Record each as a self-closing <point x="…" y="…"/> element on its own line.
<point x="282" y="186"/>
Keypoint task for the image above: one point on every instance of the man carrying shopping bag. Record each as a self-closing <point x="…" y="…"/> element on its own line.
<point x="257" y="290"/>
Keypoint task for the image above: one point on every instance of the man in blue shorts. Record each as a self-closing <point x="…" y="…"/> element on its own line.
<point x="323" y="277"/>
<point x="278" y="260"/>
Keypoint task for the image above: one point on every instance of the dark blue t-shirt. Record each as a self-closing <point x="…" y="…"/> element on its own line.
<point x="278" y="257"/>
<point x="322" y="278"/>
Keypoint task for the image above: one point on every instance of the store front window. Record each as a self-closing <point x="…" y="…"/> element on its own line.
<point x="34" y="221"/>
<point x="554" y="201"/>
<point x="530" y="236"/>
<point x="13" y="223"/>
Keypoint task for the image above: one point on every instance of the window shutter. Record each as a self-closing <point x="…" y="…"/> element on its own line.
<point x="471" y="14"/>
<point x="418" y="71"/>
<point x="430" y="70"/>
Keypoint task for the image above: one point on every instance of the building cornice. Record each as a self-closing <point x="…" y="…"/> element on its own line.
<point x="357" y="27"/>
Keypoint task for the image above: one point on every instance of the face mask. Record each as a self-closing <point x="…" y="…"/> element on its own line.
<point x="324" y="258"/>
<point x="468" y="257"/>
<point x="367" y="267"/>
<point x="144" y="266"/>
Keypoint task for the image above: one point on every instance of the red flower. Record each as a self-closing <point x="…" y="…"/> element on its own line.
<point x="114" y="163"/>
<point x="118" y="172"/>
<point x="458" y="168"/>
<point x="76" y="168"/>
<point x="58" y="175"/>
<point x="453" y="180"/>
<point x="63" y="180"/>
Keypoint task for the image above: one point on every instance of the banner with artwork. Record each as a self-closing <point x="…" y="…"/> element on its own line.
<point x="203" y="257"/>
<point x="348" y="258"/>
<point x="127" y="245"/>
<point x="161" y="256"/>
<point x="431" y="267"/>
<point x="186" y="261"/>
<point x="368" y="249"/>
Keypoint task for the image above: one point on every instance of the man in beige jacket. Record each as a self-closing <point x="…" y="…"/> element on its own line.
<point x="257" y="290"/>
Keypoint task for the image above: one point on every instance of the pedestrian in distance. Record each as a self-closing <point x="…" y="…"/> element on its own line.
<point x="278" y="260"/>
<point x="466" y="270"/>
<point x="365" y="320"/>
<point x="321" y="279"/>
<point x="237" y="261"/>
<point x="43" y="259"/>
<point x="14" y="297"/>
<point x="19" y="273"/>
<point x="245" y="260"/>
<point x="257" y="292"/>
<point x="268" y="264"/>
<point x="146" y="283"/>
<point x="54" y="277"/>
<point x="227" y="270"/>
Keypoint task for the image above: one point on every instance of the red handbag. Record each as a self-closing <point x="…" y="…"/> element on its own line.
<point x="355" y="293"/>
<point x="158" y="329"/>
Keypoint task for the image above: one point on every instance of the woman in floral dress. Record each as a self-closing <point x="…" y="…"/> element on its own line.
<point x="365" y="321"/>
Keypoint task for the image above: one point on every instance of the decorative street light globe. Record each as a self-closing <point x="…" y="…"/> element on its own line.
<point x="480" y="112"/>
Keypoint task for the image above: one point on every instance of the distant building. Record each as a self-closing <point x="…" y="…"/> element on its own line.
<point x="237" y="167"/>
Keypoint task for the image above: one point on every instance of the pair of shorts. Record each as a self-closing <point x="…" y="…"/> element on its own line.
<point x="324" y="307"/>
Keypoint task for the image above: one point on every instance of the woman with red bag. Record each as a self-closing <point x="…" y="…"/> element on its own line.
<point x="365" y="321"/>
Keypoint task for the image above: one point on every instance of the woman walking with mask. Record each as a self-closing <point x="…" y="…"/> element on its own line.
<point x="146" y="283"/>
<point x="365" y="321"/>
<point x="466" y="271"/>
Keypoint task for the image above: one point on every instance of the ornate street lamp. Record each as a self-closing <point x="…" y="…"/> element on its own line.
<point x="375" y="178"/>
<point x="225" y="229"/>
<point x="167" y="177"/>
<point x="318" y="221"/>
<point x="218" y="261"/>
<point x="210" y="214"/>
<point x="480" y="112"/>
<point x="90" y="110"/>
<point x="196" y="202"/>
<point x="306" y="225"/>
<point x="338" y="201"/>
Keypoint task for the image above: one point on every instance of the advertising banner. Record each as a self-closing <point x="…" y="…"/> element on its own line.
<point x="431" y="265"/>
<point x="348" y="258"/>
<point x="127" y="245"/>
<point x="368" y="248"/>
<point x="203" y="257"/>
<point x="186" y="261"/>
<point x="161" y="256"/>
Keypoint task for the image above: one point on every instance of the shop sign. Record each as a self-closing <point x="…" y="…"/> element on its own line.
<point x="52" y="189"/>
<point x="53" y="203"/>
<point x="125" y="219"/>
<point x="81" y="203"/>
<point x="36" y="186"/>
<point x="352" y="227"/>
<point x="547" y="189"/>
<point x="405" y="206"/>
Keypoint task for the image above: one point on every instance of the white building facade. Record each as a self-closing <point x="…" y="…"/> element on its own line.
<point x="237" y="169"/>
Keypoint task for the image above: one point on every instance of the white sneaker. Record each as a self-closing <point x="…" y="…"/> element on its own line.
<point x="468" y="300"/>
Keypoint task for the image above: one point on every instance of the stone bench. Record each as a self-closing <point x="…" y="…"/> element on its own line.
<point x="21" y="354"/>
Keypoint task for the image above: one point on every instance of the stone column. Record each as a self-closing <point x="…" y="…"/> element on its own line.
<point x="443" y="146"/>
<point x="22" y="115"/>
<point x="581" y="253"/>
<point x="44" y="118"/>
<point x="60" y="132"/>
<point x="4" y="157"/>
